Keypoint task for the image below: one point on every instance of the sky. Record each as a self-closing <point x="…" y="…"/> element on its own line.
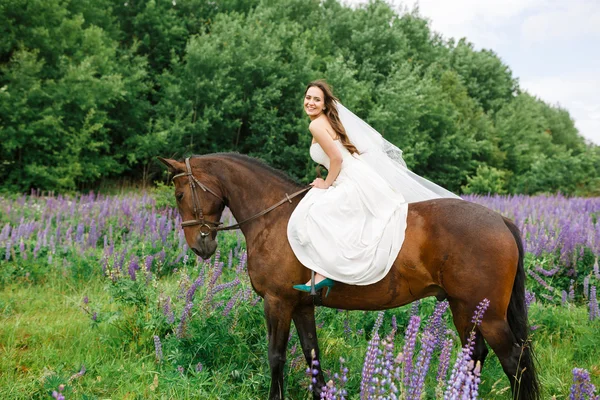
<point x="551" y="46"/>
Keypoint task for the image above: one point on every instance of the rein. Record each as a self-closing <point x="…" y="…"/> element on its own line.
<point x="205" y="228"/>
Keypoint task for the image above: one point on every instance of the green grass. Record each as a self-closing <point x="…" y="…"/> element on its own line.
<point x="46" y="336"/>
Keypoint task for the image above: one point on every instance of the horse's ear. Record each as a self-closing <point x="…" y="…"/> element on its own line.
<point x="172" y="165"/>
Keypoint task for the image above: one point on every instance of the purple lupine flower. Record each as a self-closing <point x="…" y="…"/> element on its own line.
<point x="370" y="360"/>
<point x="347" y="329"/>
<point x="242" y="264"/>
<point x="444" y="363"/>
<point x="184" y="316"/>
<point x="95" y="316"/>
<point x="168" y="311"/>
<point x="161" y="256"/>
<point x="22" y="251"/>
<point x="582" y="388"/>
<point x="436" y="323"/>
<point x="475" y="381"/>
<point x="313" y="370"/>
<point x="79" y="234"/>
<point x="410" y="340"/>
<point x="462" y="381"/>
<point x="85" y="300"/>
<point x="256" y="300"/>
<point x="342" y="379"/>
<point x="133" y="267"/>
<point x="563" y="299"/>
<point x="158" y="349"/>
<point x="148" y="262"/>
<point x="231" y="303"/>
<point x="227" y="285"/>
<point x="586" y="287"/>
<point x="417" y="379"/>
<point x="58" y="395"/>
<point x="192" y="290"/>
<point x="199" y="367"/>
<point x="414" y="309"/>
<point x="529" y="298"/>
<point x="180" y="369"/>
<point x="572" y="290"/>
<point x="540" y="280"/>
<point x="593" y="305"/>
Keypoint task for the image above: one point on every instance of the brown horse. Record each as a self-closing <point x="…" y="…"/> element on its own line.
<point x="453" y="249"/>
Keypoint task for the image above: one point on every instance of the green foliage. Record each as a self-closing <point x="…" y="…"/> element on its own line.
<point x="486" y="180"/>
<point x="91" y="91"/>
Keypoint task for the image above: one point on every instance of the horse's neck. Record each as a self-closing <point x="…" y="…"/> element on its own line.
<point x="250" y="191"/>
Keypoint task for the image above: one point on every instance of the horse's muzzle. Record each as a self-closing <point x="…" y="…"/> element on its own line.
<point x="205" y="247"/>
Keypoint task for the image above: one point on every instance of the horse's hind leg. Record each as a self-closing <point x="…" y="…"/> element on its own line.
<point x="480" y="351"/>
<point x="501" y="339"/>
<point x="304" y="319"/>
<point x="278" y="314"/>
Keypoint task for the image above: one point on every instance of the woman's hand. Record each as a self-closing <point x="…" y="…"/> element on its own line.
<point x="319" y="183"/>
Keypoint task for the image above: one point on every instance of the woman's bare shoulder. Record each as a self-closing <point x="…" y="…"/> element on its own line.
<point x="321" y="124"/>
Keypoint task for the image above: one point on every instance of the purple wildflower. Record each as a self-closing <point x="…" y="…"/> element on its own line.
<point x="370" y="359"/>
<point x="586" y="287"/>
<point x="184" y="316"/>
<point x="582" y="388"/>
<point x="158" y="349"/>
<point x="444" y="363"/>
<point x="148" y="262"/>
<point x="168" y="311"/>
<point x="231" y="303"/>
<point x="572" y="290"/>
<point x="133" y="267"/>
<point x="594" y="311"/>
<point x="410" y="340"/>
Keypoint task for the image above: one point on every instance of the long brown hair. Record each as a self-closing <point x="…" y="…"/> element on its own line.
<point x="330" y="110"/>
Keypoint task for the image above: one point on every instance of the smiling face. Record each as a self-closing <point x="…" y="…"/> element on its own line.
<point x="314" y="101"/>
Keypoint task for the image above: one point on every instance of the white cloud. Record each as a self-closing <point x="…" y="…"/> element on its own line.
<point x="577" y="19"/>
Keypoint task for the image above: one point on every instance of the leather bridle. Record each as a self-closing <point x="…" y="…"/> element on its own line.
<point x="205" y="225"/>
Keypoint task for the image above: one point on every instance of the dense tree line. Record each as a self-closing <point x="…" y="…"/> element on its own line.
<point x="94" y="90"/>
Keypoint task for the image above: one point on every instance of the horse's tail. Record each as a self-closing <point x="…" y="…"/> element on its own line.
<point x="528" y="386"/>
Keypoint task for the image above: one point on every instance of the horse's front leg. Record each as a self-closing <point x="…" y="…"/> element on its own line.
<point x="304" y="319"/>
<point x="278" y="314"/>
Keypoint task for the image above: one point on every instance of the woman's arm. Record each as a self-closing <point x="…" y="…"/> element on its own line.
<point x="318" y="128"/>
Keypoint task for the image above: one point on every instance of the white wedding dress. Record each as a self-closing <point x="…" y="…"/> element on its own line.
<point x="353" y="231"/>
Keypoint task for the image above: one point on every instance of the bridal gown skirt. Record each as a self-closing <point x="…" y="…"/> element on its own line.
<point x="353" y="231"/>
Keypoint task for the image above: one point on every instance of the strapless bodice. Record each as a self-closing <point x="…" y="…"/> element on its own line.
<point x="319" y="156"/>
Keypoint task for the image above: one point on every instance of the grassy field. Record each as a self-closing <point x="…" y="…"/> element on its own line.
<point x="86" y="317"/>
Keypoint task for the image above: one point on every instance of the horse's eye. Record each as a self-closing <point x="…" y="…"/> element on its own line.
<point x="179" y="196"/>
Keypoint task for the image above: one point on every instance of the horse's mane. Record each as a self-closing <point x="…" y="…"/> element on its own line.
<point x="254" y="162"/>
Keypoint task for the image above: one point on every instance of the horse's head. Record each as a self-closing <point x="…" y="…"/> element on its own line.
<point x="200" y="203"/>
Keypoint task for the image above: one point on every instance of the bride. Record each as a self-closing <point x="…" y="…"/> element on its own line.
<point x="350" y="227"/>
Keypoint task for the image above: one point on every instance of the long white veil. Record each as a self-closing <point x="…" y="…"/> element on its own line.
<point x="386" y="159"/>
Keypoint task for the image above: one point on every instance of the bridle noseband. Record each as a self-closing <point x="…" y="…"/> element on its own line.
<point x="205" y="225"/>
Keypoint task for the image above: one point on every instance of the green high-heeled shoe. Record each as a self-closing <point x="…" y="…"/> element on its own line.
<point x="328" y="283"/>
